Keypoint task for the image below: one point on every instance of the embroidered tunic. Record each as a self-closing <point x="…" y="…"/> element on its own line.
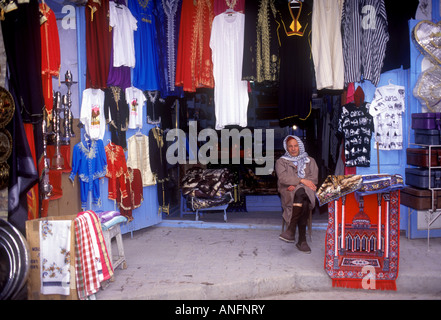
<point x="194" y="68"/>
<point x="138" y="157"/>
<point x="90" y="163"/>
<point x="261" y="47"/>
<point x="158" y="163"/>
<point x="116" y="170"/>
<point x="295" y="81"/>
<point x="135" y="193"/>
<point x="116" y="112"/>
<point x="167" y="27"/>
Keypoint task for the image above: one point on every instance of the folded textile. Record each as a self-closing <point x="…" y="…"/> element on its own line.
<point x="380" y="183"/>
<point x="201" y="203"/>
<point x="107" y="215"/>
<point x="55" y="256"/>
<point x="115" y="220"/>
<point x="337" y="186"/>
<point x="207" y="183"/>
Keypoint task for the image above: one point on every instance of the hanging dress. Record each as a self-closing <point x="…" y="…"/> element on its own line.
<point x="90" y="163"/>
<point x="365" y="36"/>
<point x="231" y="92"/>
<point x="261" y="46"/>
<point x="167" y="26"/>
<point x="50" y="54"/>
<point x="98" y="43"/>
<point x="145" y="72"/>
<point x="296" y="75"/>
<point x="194" y="68"/>
<point x="116" y="171"/>
<point x="116" y="112"/>
<point x="158" y="164"/>
<point x="118" y="76"/>
<point x="326" y="44"/>
<point x="138" y="157"/>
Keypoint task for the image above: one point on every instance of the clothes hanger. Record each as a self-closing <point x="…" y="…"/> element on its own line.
<point x="231" y="6"/>
<point x="230" y="11"/>
<point x="138" y="133"/>
<point x="390" y="84"/>
<point x="294" y="4"/>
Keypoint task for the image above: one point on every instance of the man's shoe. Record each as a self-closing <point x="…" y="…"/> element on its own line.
<point x="303" y="246"/>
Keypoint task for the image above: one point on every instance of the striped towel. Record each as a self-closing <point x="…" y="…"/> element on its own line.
<point x="92" y="263"/>
<point x="55" y="256"/>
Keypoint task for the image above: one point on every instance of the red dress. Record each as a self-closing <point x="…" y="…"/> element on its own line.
<point x="194" y="68"/>
<point x="116" y="171"/>
<point x="50" y="54"/>
<point x="135" y="193"/>
<point x="98" y="43"/>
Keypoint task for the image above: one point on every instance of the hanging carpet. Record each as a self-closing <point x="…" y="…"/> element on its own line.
<point x="367" y="257"/>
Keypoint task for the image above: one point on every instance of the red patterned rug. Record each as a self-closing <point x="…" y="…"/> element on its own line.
<point x="367" y="257"/>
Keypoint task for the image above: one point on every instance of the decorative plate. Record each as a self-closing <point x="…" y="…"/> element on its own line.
<point x="7" y="107"/>
<point x="428" y="89"/>
<point x="427" y="36"/>
<point x="5" y="145"/>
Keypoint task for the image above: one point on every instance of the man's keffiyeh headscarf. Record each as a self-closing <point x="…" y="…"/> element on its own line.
<point x="301" y="160"/>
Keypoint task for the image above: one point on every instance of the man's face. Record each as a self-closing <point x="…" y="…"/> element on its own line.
<point x="293" y="147"/>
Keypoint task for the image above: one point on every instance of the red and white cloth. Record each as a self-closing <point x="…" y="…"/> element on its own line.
<point x="92" y="262"/>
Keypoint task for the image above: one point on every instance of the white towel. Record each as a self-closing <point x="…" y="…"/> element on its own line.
<point x="55" y="256"/>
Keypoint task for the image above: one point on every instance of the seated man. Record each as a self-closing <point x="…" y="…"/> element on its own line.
<point x="297" y="175"/>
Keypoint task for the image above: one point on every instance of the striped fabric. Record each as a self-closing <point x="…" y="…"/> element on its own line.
<point x="365" y="36"/>
<point x="92" y="262"/>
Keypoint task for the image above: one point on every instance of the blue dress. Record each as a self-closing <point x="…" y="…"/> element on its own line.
<point x="167" y="27"/>
<point x="145" y="73"/>
<point x="90" y="163"/>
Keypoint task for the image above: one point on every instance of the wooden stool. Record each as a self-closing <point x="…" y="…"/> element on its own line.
<point x="109" y="234"/>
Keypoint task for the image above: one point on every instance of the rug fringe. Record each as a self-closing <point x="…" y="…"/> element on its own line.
<point x="358" y="284"/>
